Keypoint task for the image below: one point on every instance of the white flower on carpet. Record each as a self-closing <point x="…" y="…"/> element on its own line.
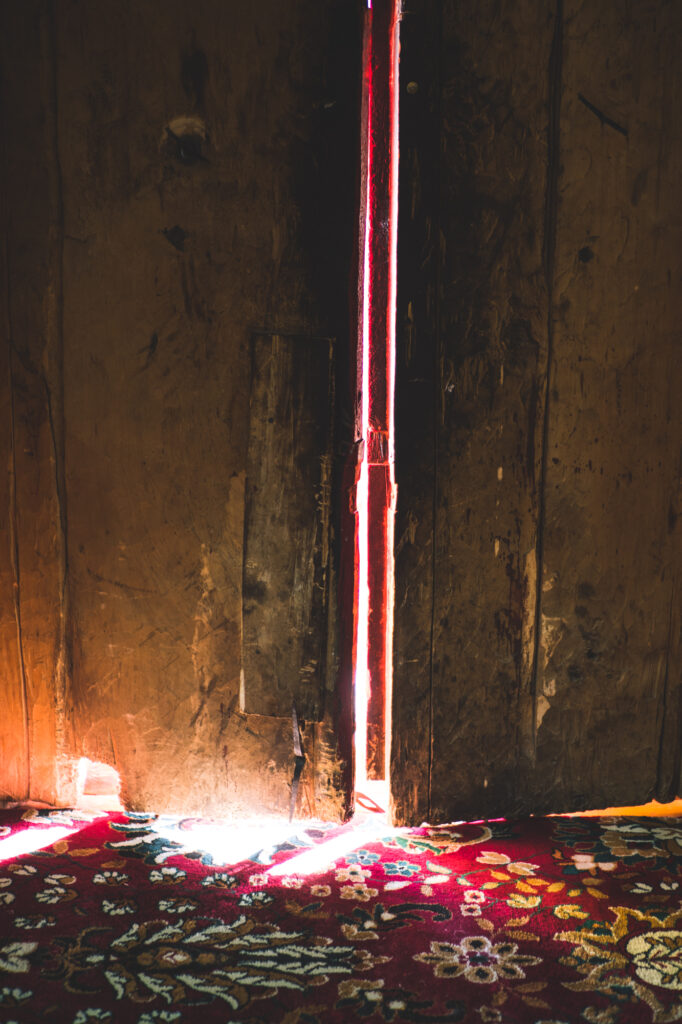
<point x="489" y="1014"/>
<point x="255" y="899"/>
<point x="167" y="875"/>
<point x="86" y="1016"/>
<point x="470" y="910"/>
<point x="256" y="880"/>
<point x="320" y="890"/>
<point x="34" y="922"/>
<point x="55" y="894"/>
<point x="110" y="878"/>
<point x="586" y="862"/>
<point x="291" y="882"/>
<point x="220" y="880"/>
<point x="163" y="1016"/>
<point x="177" y="905"/>
<point x="474" y="896"/>
<point x="22" y="869"/>
<point x="657" y="958"/>
<point x="14" y="957"/>
<point x="60" y="879"/>
<point x="476" y="959"/>
<point x="13" y="996"/>
<point x="119" y="906"/>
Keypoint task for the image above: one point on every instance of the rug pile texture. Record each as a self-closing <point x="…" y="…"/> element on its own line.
<point x="129" y="919"/>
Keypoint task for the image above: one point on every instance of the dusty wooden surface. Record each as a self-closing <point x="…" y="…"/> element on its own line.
<point x="607" y="712"/>
<point x="418" y="242"/>
<point x="285" y="592"/>
<point x="32" y="598"/>
<point x="198" y="155"/>
<point x="555" y="675"/>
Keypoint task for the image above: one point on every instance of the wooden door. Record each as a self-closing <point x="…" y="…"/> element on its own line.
<point x="539" y="427"/>
<point x="179" y="215"/>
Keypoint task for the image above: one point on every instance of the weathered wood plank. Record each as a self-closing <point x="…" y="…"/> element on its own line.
<point x="192" y="195"/>
<point x="33" y="612"/>
<point x="287" y="522"/>
<point x="558" y="432"/>
<point x="491" y="313"/>
<point x="608" y="703"/>
<point x="177" y="251"/>
<point x="416" y="327"/>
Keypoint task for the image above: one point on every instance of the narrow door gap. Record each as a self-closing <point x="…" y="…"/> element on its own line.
<point x="376" y="485"/>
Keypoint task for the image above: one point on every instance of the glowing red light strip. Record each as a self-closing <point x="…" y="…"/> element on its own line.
<point x="376" y="487"/>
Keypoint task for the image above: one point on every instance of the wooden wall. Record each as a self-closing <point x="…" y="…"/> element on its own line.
<point x="177" y="177"/>
<point x="539" y="428"/>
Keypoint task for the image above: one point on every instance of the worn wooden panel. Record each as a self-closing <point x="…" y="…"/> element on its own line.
<point x="33" y="549"/>
<point x="416" y="316"/>
<point x="190" y="174"/>
<point x="192" y="194"/>
<point x="555" y="646"/>
<point x="487" y="296"/>
<point x="608" y="675"/>
<point x="287" y="521"/>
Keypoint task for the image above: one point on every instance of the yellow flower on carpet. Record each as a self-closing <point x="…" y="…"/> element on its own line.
<point x="320" y="890"/>
<point x="522" y="867"/>
<point x="354" y="873"/>
<point x="354" y="986"/>
<point x="489" y="857"/>
<point x="359" y="891"/>
<point x="657" y="958"/>
<point x="523" y="902"/>
<point x="566" y="910"/>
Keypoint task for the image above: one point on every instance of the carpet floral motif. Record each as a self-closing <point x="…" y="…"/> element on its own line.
<point x="547" y="921"/>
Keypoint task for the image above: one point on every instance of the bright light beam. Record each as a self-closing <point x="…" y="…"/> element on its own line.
<point x="322" y="857"/>
<point x="32" y="839"/>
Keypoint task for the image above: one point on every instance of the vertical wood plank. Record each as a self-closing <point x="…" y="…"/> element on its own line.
<point x="287" y="526"/>
<point x="416" y="337"/>
<point x="485" y="296"/>
<point x="33" y="618"/>
<point x="197" y="188"/>
<point x="557" y="428"/>
<point x="608" y="703"/>
<point x="190" y="195"/>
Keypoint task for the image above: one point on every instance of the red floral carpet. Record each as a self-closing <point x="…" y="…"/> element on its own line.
<point x="128" y="919"/>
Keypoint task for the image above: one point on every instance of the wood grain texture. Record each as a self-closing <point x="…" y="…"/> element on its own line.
<point x="490" y="299"/>
<point x="415" y="405"/>
<point x="201" y="201"/>
<point x="608" y="702"/>
<point x="33" y="595"/>
<point x="555" y="679"/>
<point x="287" y="526"/>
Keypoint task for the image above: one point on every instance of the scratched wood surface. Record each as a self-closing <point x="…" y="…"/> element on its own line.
<point x="204" y="194"/>
<point x="285" y="592"/>
<point x="549" y="652"/>
<point x="32" y="559"/>
<point x="608" y="698"/>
